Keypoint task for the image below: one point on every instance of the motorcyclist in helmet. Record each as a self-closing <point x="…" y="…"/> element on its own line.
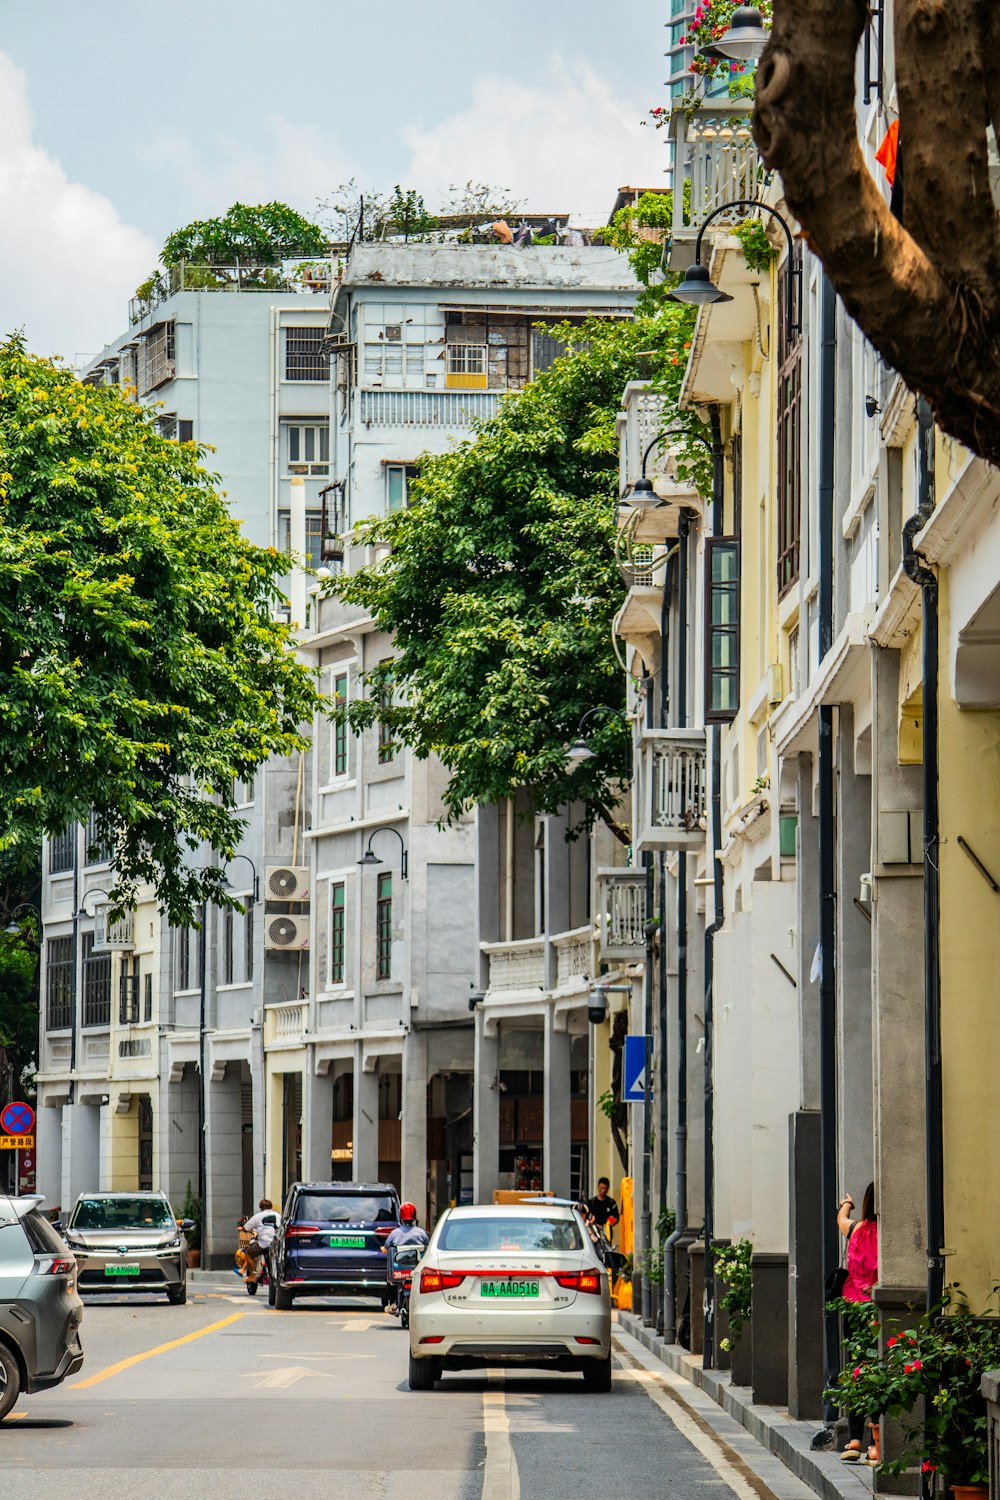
<point x="408" y="1233"/>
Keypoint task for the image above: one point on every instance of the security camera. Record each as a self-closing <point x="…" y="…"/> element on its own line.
<point x="597" y="1006"/>
<point x="476" y="998"/>
<point x="871" y="406"/>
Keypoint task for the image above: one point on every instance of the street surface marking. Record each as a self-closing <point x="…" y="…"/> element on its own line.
<point x="280" y="1380"/>
<point x="135" y="1359"/>
<point x="501" y="1480"/>
<point x="361" y="1327"/>
<point x="711" y="1447"/>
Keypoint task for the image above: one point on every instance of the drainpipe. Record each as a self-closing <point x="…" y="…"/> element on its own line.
<point x="934" y="1121"/>
<point x="645" y="1221"/>
<point x="674" y="571"/>
<point x="718" y="917"/>
<point x="827" y="828"/>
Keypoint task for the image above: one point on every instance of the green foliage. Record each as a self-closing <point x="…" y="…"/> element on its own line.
<point x="757" y="248"/>
<point x="482" y="200"/>
<point x="640" y="230"/>
<point x="260" y="235"/>
<point x="608" y="1105"/>
<point x="140" y="662"/>
<point x="732" y="1267"/>
<point x="407" y="216"/>
<point x="191" y="1209"/>
<point x="939" y="1359"/>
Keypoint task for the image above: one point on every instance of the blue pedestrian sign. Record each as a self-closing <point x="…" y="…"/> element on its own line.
<point x="634" y="1085"/>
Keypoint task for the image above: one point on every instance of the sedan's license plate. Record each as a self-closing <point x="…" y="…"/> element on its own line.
<point x="347" y="1242"/>
<point x="512" y="1288"/>
<point x="121" y="1270"/>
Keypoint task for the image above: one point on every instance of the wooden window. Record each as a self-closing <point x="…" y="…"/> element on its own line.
<point x="337" y="931"/>
<point x="228" y="968"/>
<point x="383" y="928"/>
<point x="97" y="846"/>
<point x="183" y="959"/>
<point x="59" y="959"/>
<point x="96" y="984"/>
<point x="248" y="941"/>
<point x="147" y="998"/>
<point x="62" y="850"/>
<point x="339" y="725"/>
<point x="386" y="743"/>
<point x="722" y="629"/>
<point x="128" y="997"/>
<point x="789" y="437"/>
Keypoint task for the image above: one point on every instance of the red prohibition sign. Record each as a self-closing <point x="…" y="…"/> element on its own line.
<point x="17" y="1118"/>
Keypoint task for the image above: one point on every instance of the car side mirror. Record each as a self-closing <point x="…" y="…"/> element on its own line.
<point x="185" y="1224"/>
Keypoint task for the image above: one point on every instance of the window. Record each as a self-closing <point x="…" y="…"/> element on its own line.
<point x="147" y="998"/>
<point x="304" y="355"/>
<point x="156" y="358"/>
<point x="97" y="845"/>
<point x="248" y="942"/>
<point x="314" y="536"/>
<point x="339" y="726"/>
<point x="96" y="984"/>
<point x="227" y="946"/>
<point x="308" y="448"/>
<point x="466" y="367"/>
<point x="398" y="478"/>
<point x="62" y="850"/>
<point x="789" y="439"/>
<point x="337" y="933"/>
<point x="175" y="429"/>
<point x="383" y="928"/>
<point x="183" y="959"/>
<point x="243" y="792"/>
<point x="722" y="629"/>
<point x="128" y="998"/>
<point x="58" y="983"/>
<point x="386" y="744"/>
<point x="545" y="350"/>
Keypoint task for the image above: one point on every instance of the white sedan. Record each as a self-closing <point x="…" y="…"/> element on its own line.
<point x="510" y="1285"/>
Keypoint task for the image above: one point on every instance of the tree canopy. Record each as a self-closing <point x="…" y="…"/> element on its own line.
<point x="923" y="287"/>
<point x="501" y="585"/>
<point x="252" y="235"/>
<point x="141" y="664"/>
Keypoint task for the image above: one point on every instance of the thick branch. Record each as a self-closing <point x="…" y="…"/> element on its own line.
<point x="933" y="327"/>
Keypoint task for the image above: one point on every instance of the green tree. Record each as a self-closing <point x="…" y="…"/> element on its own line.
<point x="141" y="665"/>
<point x="254" y="236"/>
<point x="18" y="964"/>
<point x="501" y="585"/>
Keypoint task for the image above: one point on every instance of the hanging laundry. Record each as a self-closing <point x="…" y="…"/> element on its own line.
<point x="503" y="232"/>
<point x="887" y="153"/>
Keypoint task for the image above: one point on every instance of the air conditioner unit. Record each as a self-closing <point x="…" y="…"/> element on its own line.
<point x="287" y="882"/>
<point x="286" y="934"/>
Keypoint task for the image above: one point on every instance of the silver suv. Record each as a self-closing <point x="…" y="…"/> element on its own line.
<point x="40" y="1311"/>
<point x="129" y="1242"/>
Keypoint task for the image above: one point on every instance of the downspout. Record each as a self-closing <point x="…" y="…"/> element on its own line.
<point x="933" y="1108"/>
<point x="718" y="917"/>
<point x="674" y="572"/>
<point x="827" y="827"/>
<point x="645" y="1224"/>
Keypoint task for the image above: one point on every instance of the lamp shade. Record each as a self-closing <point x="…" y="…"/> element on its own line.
<point x="641" y="495"/>
<point x="746" y="37"/>
<point x="369" y="858"/>
<point x="697" y="288"/>
<point x="578" y="752"/>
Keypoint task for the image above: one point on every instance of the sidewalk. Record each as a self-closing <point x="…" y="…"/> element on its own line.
<point x="773" y="1447"/>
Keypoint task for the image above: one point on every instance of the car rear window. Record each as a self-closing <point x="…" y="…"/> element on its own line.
<point x="345" y="1208"/>
<point x="497" y="1235"/>
<point x="42" y="1238"/>
<point x="121" y="1213"/>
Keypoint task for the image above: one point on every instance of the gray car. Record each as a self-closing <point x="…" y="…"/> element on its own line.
<point x="128" y="1242"/>
<point x="40" y="1310"/>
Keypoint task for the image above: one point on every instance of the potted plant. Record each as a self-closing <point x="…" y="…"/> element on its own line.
<point x="191" y="1210"/>
<point x="732" y="1268"/>
<point x="939" y="1361"/>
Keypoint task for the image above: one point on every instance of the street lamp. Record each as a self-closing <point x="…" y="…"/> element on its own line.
<point x="579" y="751"/>
<point x="745" y="38"/>
<point x="640" y="495"/>
<point x="698" y="288"/>
<point x="14" y="927"/>
<point x="92" y="890"/>
<point x="256" y="879"/>
<point x="369" y="858"/>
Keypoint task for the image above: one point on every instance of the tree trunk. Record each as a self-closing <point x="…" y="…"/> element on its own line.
<point x="926" y="291"/>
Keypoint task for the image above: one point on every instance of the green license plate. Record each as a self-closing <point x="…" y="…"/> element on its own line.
<point x="121" y="1270"/>
<point x="347" y="1242"/>
<point x="510" y="1288"/>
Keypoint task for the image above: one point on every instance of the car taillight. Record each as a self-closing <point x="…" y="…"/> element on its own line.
<point x="54" y="1265"/>
<point x="295" y="1229"/>
<point x="579" y="1281"/>
<point x="384" y="1228"/>
<point x="440" y="1281"/>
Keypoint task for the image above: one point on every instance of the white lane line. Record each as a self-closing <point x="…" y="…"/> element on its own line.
<point x="501" y="1480"/>
<point x="280" y="1380"/>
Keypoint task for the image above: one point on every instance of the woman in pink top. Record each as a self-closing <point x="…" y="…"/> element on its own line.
<point x="862" y="1273"/>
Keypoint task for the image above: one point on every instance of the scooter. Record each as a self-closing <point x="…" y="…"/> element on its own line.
<point x="403" y="1260"/>
<point x="252" y="1269"/>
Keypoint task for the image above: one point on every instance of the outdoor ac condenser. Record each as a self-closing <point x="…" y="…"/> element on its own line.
<point x="286" y="934"/>
<point x="287" y="882"/>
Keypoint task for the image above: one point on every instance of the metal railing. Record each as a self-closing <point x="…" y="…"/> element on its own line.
<point x="621" y="919"/>
<point x="516" y="968"/>
<point x="307" y="274"/>
<point x="714" y="150"/>
<point x="427" y="408"/>
<point x="671" y="789"/>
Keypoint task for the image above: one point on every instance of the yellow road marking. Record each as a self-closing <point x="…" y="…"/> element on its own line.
<point x="135" y="1359"/>
<point x="16" y="1416"/>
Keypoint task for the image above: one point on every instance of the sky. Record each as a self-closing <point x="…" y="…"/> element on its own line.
<point x="121" y="121"/>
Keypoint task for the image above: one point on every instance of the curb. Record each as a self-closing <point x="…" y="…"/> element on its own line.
<point x="772" y="1428"/>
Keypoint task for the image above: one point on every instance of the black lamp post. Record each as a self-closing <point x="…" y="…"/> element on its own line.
<point x="698" y="288"/>
<point x="14" y="927"/>
<point x="580" y="751"/>
<point x="256" y="878"/>
<point x="369" y="858"/>
<point x="745" y="38"/>
<point x="641" y="495"/>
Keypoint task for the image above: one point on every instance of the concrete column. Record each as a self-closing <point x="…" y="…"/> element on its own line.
<point x="81" y="1152"/>
<point x="556" y="1107"/>
<point x="769" y="1279"/>
<point x="414" y="1163"/>
<point x="223" y="1167"/>
<point x="485" y="1113"/>
<point x="807" y="889"/>
<point x="855" y="1122"/>
<point x="805" y="1268"/>
<point x="48" y="1154"/>
<point x="317" y="1123"/>
<point x="178" y="1136"/>
<point x="365" y="1120"/>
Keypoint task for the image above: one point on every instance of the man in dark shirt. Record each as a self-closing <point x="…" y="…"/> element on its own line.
<point x="603" y="1209"/>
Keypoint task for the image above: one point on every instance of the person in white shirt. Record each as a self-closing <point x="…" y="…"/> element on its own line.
<point x="263" y="1225"/>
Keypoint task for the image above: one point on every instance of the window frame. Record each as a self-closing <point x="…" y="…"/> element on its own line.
<point x="383" y="925"/>
<point x="729" y="628"/>
<point x="385" y="741"/>
<point x="339" y="739"/>
<point x="337" y="955"/>
<point x="59" y="965"/>
<point x="407" y="473"/>
<point x="62" y="846"/>
<point x="314" y="467"/>
<point x="96" y="986"/>
<point x="789" y="428"/>
<point x="128" y="996"/>
<point x="228" y="948"/>
<point x="308" y="363"/>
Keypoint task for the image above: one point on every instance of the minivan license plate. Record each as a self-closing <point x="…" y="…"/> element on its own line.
<point x="121" y="1270"/>
<point x="347" y="1242"/>
<point x="510" y="1288"/>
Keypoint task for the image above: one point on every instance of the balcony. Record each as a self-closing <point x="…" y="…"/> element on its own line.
<point x="285" y="1024"/>
<point x="639" y="422"/>
<point x="714" y="150"/>
<point x="427" y="408"/>
<point x="621" y="914"/>
<point x="574" y="957"/>
<point x="516" y="968"/>
<point x="670" y="789"/>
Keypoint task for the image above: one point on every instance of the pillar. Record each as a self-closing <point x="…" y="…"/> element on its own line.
<point x="486" y="1112"/>
<point x="556" y="1109"/>
<point x="317" y="1123"/>
<point x="414" y="1133"/>
<point x="805" y="1268"/>
<point x="365" y="1165"/>
<point x="223" y="1167"/>
<point x="177" y="1135"/>
<point x="48" y="1154"/>
<point x="81" y="1152"/>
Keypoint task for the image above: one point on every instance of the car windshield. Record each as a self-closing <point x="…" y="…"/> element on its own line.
<point x="122" y="1213"/>
<point x="345" y="1208"/>
<point x="500" y="1235"/>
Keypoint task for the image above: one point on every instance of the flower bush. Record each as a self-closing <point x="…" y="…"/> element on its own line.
<point x="940" y="1359"/>
<point x="732" y="1266"/>
<point x="711" y="19"/>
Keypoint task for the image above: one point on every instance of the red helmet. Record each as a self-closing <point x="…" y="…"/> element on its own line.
<point x="407" y="1213"/>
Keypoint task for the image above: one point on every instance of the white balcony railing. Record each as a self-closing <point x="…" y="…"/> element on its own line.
<point x="285" y="1023"/>
<point x="714" y="150"/>
<point x="516" y="968"/>
<point x="670" y="789"/>
<point x="621" y="897"/>
<point x="427" y="408"/>
<point x="574" y="955"/>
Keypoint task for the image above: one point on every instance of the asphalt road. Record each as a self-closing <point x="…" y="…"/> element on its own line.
<point x="227" y="1397"/>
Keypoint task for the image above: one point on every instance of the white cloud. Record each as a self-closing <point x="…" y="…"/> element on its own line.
<point x="567" y="143"/>
<point x="67" y="261"/>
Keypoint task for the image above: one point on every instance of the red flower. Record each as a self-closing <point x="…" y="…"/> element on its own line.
<point x="857" y="1373"/>
<point x="927" y="1467"/>
<point x="889" y="1342"/>
<point x="917" y="1365"/>
<point x="907" y="1369"/>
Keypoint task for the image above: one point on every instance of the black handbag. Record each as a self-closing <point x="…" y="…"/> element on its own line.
<point x="834" y="1285"/>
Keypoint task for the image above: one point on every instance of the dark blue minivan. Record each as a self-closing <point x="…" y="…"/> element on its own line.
<point x="330" y="1241"/>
